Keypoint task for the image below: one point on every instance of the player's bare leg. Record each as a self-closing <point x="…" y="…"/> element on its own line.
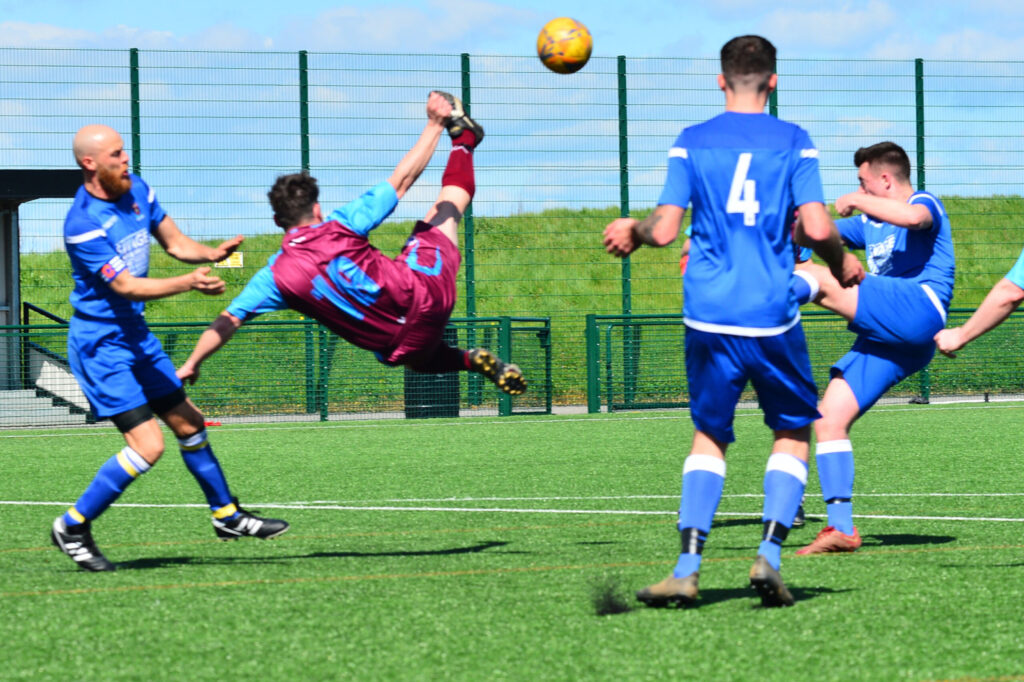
<point x="831" y="294"/>
<point x="839" y="410"/>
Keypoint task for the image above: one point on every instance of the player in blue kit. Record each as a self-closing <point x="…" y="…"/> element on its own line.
<point x="895" y="312"/>
<point x="744" y="172"/>
<point x="1005" y="297"/>
<point x="119" y="364"/>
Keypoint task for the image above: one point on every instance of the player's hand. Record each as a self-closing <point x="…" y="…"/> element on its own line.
<point x="226" y="248"/>
<point x="846" y="204"/>
<point x="188" y="373"/>
<point x="851" y="272"/>
<point x="619" y="238"/>
<point x="204" y="283"/>
<point x="438" y="108"/>
<point x="950" y="340"/>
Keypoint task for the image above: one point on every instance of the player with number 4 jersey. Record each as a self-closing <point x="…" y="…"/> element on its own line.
<point x="743" y="172"/>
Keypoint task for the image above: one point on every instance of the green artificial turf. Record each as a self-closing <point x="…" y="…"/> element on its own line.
<point x="435" y="590"/>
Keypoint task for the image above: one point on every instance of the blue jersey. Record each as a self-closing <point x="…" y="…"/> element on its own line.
<point x="743" y="174"/>
<point x="104" y="238"/>
<point x="923" y="256"/>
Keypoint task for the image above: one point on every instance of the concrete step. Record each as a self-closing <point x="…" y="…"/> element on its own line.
<point x="17" y="394"/>
<point x="35" y="419"/>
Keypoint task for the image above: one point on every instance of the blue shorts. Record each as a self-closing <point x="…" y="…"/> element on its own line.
<point x="119" y="367"/>
<point x="718" y="367"/>
<point x="872" y="368"/>
<point x="896" y="311"/>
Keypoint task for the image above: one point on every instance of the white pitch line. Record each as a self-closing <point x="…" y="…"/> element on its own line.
<point x="512" y="510"/>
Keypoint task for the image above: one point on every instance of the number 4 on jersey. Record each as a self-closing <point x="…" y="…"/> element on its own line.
<point x="742" y="192"/>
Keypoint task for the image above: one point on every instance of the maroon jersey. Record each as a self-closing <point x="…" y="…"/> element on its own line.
<point x="397" y="308"/>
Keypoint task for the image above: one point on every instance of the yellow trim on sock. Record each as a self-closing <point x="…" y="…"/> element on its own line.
<point x="126" y="464"/>
<point x="225" y="511"/>
<point x="193" y="448"/>
<point x="73" y="513"/>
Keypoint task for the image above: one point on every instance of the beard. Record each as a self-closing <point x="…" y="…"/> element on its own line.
<point x="112" y="182"/>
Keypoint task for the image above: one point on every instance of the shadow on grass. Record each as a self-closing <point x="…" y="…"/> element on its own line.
<point x="472" y="549"/>
<point x="164" y="562"/>
<point x="707" y="597"/>
<point x="902" y="539"/>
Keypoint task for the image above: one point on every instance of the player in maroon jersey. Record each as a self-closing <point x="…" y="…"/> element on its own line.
<point x="327" y="269"/>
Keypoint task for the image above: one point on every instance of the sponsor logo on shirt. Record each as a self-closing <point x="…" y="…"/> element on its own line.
<point x="108" y="272"/>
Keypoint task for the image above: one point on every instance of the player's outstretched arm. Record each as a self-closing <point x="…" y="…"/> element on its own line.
<point x="892" y="211"/>
<point x="623" y="236"/>
<point x="417" y="158"/>
<point x="1002" y="300"/>
<point x="151" y="288"/>
<point x="188" y="250"/>
<point x="210" y="341"/>
<point x="815" y="229"/>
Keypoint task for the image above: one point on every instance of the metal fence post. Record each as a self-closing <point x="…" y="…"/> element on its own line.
<point x="593" y="341"/>
<point x="627" y="305"/>
<point x="925" y="375"/>
<point x="475" y="382"/>
<point x="630" y="348"/>
<point x="324" y="369"/>
<point x="505" y="351"/>
<point x="133" y="59"/>
<point x="304" y="108"/>
<point x="310" y="365"/>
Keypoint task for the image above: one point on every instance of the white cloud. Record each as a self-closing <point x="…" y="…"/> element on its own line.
<point x="223" y="36"/>
<point x="23" y="34"/>
<point x="452" y="25"/>
<point x="849" y="25"/>
<point x="966" y="44"/>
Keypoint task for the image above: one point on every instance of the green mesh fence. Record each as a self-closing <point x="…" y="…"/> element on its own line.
<point x="564" y="155"/>
<point x="638" y="362"/>
<point x="285" y="370"/>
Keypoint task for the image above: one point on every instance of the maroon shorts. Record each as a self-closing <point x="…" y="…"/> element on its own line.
<point x="434" y="262"/>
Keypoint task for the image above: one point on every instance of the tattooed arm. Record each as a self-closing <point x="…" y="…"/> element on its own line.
<point x="623" y="236"/>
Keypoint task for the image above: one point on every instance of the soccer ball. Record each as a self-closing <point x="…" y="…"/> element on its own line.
<point x="564" y="45"/>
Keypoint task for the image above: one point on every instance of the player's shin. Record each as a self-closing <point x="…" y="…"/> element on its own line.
<point x="784" y="481"/>
<point x="703" y="480"/>
<point x="203" y="464"/>
<point x="110" y="481"/>
<point x="835" y="470"/>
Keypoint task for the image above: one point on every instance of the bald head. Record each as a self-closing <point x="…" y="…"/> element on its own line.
<point x="99" y="152"/>
<point x="92" y="139"/>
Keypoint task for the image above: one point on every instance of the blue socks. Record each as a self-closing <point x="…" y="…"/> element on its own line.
<point x="111" y="480"/>
<point x="703" y="480"/>
<point x="784" y="481"/>
<point x="202" y="463"/>
<point x="835" y="471"/>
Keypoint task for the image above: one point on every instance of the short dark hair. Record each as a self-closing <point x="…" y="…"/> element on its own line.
<point x="292" y="198"/>
<point x="888" y="154"/>
<point x="748" y="61"/>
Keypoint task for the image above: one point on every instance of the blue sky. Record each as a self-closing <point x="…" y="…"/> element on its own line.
<point x="979" y="30"/>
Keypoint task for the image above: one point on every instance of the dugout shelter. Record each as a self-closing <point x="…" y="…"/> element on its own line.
<point x="18" y="186"/>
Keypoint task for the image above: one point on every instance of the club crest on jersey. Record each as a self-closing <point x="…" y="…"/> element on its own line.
<point x="108" y="272"/>
<point x="136" y="209"/>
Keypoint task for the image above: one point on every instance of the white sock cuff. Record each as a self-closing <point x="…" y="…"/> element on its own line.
<point x="193" y="441"/>
<point x="135" y="459"/>
<point x="709" y="463"/>
<point x="811" y="280"/>
<point x="829" y="446"/>
<point x="788" y="464"/>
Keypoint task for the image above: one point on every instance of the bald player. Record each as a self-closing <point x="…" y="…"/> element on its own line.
<point x="117" y="361"/>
